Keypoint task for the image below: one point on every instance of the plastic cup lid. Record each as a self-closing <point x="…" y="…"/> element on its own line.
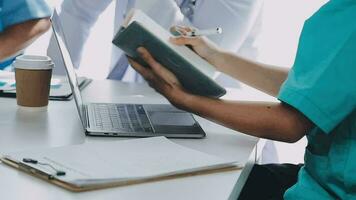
<point x="33" y="62"/>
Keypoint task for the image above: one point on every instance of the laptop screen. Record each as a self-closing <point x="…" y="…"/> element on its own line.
<point x="60" y="39"/>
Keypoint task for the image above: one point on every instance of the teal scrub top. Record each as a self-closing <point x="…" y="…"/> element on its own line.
<point x="16" y="11"/>
<point x="322" y="86"/>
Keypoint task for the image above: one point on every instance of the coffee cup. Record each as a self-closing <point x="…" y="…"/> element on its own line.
<point x="33" y="78"/>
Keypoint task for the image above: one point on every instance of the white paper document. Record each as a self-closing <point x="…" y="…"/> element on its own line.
<point x="126" y="160"/>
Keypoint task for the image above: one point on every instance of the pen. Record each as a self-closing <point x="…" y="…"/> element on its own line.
<point x="195" y="33"/>
<point x="180" y="30"/>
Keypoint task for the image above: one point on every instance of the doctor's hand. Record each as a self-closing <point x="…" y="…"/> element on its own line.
<point x="161" y="79"/>
<point x="200" y="44"/>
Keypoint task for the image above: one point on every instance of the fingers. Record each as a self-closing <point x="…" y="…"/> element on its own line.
<point x="181" y="30"/>
<point x="185" y="28"/>
<point x="181" y="40"/>
<point x="146" y="73"/>
<point x="157" y="68"/>
<point x="146" y="56"/>
<point x="152" y="79"/>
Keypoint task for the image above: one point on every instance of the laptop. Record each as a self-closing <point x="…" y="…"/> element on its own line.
<point x="125" y="120"/>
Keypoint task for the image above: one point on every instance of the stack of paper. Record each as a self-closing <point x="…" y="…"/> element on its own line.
<point x="91" y="165"/>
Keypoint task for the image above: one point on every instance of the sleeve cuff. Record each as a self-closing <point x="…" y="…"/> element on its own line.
<point x="306" y="106"/>
<point x="24" y="13"/>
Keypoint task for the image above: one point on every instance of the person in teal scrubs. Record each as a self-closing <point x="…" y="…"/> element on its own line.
<point x="317" y="100"/>
<point x="21" y="21"/>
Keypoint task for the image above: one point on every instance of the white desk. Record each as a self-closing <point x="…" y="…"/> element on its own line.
<point x="60" y="125"/>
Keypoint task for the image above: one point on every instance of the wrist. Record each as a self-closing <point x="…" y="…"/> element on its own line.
<point x="183" y="100"/>
<point x="215" y="58"/>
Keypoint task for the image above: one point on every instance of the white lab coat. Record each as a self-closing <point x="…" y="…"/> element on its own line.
<point x="239" y="19"/>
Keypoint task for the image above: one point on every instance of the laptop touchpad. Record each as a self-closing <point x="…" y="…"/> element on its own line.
<point x="171" y="119"/>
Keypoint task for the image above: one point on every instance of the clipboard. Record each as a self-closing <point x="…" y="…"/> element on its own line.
<point x="135" y="161"/>
<point x="73" y="188"/>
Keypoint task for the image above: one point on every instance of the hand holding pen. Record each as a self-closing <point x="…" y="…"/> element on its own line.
<point x="193" y="39"/>
<point x="192" y="32"/>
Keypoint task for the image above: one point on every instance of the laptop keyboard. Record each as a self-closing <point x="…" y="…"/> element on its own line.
<point x="121" y="117"/>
